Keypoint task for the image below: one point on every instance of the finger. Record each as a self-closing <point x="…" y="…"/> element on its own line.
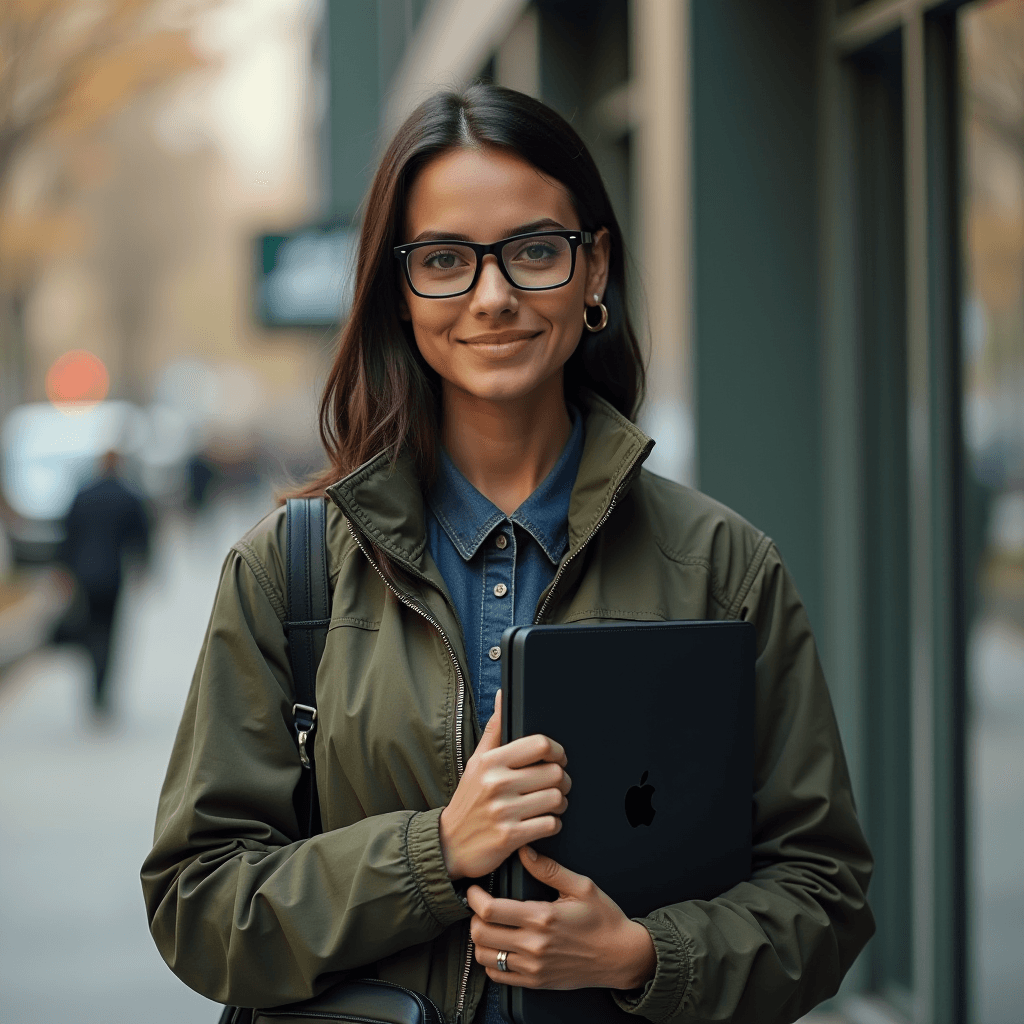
<point x="497" y="911"/>
<point x="479" y="900"/>
<point x="491" y="738"/>
<point x="488" y="957"/>
<point x="533" y="805"/>
<point x="536" y="777"/>
<point x="529" y="750"/>
<point x="551" y="873"/>
<point x="494" y="936"/>
<point x="532" y="829"/>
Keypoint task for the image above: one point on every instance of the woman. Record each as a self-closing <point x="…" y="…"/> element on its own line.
<point x="485" y="470"/>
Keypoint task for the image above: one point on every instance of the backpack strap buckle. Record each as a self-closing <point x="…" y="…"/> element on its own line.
<point x="305" y="723"/>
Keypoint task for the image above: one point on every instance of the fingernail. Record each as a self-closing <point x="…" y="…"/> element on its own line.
<point x="530" y="852"/>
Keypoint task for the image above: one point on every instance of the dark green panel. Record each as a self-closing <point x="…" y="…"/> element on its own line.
<point x="584" y="55"/>
<point x="880" y="263"/>
<point x="354" y="96"/>
<point x="948" y="556"/>
<point x="755" y="276"/>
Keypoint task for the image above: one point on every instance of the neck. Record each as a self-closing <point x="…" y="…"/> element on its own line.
<point x="506" y="449"/>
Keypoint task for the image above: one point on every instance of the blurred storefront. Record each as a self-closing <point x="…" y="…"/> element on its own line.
<point x="825" y="200"/>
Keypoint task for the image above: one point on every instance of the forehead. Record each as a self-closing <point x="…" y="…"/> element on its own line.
<point x="484" y="195"/>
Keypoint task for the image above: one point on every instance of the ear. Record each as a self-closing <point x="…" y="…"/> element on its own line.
<point x="598" y="258"/>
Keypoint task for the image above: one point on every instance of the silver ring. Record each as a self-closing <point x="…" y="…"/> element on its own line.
<point x="503" y="960"/>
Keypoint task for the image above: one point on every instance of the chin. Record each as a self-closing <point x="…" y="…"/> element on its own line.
<point x="504" y="385"/>
<point x="499" y="391"/>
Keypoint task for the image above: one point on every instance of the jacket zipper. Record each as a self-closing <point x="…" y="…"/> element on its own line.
<point x="590" y="536"/>
<point x="558" y="575"/>
<point x="460" y="709"/>
<point x="460" y="698"/>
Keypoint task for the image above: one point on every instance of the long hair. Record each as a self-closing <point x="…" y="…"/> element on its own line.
<point x="380" y="394"/>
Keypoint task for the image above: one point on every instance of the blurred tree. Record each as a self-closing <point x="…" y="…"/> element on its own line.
<point x="150" y="214"/>
<point x="66" y="67"/>
<point x="995" y="41"/>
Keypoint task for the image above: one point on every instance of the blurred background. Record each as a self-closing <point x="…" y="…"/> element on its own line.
<point x="825" y="206"/>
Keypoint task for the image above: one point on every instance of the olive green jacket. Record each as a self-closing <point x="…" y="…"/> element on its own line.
<point x="246" y="913"/>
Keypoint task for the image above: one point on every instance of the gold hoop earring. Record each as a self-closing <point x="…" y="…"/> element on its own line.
<point x="594" y="328"/>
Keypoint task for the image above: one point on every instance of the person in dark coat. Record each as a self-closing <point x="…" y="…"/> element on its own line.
<point x="106" y="522"/>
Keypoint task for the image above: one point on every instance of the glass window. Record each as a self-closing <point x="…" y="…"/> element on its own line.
<point x="992" y="47"/>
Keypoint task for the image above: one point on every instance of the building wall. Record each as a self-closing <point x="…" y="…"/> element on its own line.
<point x="755" y="254"/>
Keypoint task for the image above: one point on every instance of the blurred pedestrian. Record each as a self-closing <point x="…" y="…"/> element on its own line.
<point x="107" y="522"/>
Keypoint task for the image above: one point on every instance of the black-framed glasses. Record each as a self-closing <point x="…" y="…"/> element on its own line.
<point x="442" y="268"/>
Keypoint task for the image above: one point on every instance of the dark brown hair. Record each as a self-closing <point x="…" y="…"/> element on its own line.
<point x="380" y="394"/>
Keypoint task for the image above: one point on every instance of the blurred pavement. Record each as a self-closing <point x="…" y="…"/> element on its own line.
<point x="77" y="801"/>
<point x="995" y="828"/>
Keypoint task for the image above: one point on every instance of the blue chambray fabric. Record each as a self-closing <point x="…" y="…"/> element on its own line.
<point x="463" y="528"/>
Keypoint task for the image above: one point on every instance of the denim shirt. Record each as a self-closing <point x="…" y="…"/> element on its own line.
<point x="496" y="567"/>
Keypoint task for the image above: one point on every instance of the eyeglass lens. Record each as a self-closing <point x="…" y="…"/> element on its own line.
<point x="543" y="261"/>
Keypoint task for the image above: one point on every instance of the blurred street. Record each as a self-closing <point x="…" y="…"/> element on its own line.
<point x="77" y="800"/>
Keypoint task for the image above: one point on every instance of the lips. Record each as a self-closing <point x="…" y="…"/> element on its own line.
<point x="500" y="338"/>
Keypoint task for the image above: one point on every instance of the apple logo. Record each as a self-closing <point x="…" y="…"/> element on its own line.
<point x="639" y="810"/>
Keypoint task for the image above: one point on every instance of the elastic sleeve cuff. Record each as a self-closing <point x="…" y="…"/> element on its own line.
<point x="662" y="997"/>
<point x="423" y="843"/>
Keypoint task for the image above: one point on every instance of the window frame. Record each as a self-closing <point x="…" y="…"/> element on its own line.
<point x="935" y="622"/>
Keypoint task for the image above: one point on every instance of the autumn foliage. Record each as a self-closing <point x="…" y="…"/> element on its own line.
<point x="66" y="67"/>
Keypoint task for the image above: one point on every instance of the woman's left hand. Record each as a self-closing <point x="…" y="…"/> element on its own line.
<point x="581" y="940"/>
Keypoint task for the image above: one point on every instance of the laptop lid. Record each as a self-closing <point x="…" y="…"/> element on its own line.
<point x="657" y="721"/>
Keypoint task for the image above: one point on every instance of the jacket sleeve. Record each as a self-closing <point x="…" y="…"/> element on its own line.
<point x="773" y="947"/>
<point x="240" y="910"/>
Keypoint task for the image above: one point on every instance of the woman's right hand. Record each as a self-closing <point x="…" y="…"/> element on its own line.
<point x="508" y="796"/>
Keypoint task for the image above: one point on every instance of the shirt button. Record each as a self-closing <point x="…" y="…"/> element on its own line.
<point x="500" y="590"/>
<point x="494" y="653"/>
<point x="501" y="541"/>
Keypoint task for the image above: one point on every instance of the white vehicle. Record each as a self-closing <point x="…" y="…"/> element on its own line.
<point x="49" y="452"/>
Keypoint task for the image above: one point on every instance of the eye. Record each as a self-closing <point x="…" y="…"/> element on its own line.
<point x="441" y="259"/>
<point x="536" y="250"/>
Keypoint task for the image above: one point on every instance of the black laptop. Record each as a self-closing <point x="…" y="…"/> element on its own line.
<point x="657" y="721"/>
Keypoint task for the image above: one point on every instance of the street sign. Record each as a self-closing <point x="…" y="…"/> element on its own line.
<point x="306" y="278"/>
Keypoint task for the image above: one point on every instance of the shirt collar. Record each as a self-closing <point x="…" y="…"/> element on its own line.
<point x="468" y="517"/>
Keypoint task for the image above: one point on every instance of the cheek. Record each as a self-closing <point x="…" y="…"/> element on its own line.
<point x="430" y="326"/>
<point x="570" y="321"/>
<point x="565" y="314"/>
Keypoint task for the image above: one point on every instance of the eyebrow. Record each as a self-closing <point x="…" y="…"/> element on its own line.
<point x="545" y="224"/>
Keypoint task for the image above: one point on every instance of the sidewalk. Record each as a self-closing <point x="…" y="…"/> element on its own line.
<point x="77" y="803"/>
<point x="29" y="606"/>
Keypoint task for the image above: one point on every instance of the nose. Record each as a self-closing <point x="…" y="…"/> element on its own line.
<point x="493" y="296"/>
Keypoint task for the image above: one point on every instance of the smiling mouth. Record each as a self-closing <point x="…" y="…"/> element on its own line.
<point x="503" y="338"/>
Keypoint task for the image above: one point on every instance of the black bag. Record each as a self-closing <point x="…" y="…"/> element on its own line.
<point x="368" y="1000"/>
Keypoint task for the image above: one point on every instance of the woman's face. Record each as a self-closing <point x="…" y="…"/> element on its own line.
<point x="498" y="342"/>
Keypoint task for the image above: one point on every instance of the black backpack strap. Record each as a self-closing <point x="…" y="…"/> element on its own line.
<point x="309" y="614"/>
<point x="309" y="611"/>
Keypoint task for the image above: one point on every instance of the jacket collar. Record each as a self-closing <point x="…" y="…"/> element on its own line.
<point x="385" y="501"/>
